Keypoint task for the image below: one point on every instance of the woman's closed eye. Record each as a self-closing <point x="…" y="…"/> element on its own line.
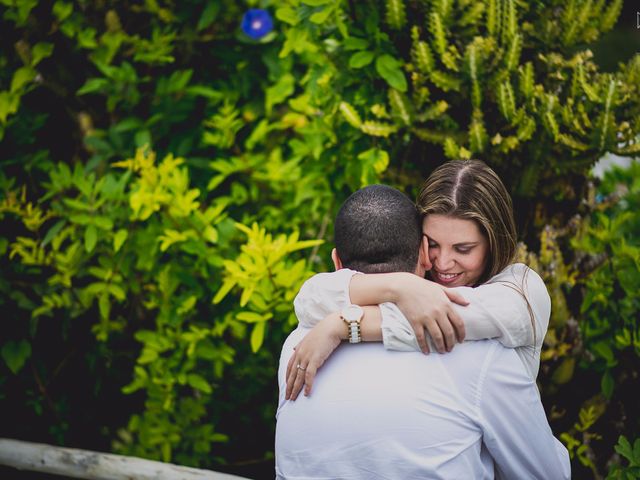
<point x="460" y="250"/>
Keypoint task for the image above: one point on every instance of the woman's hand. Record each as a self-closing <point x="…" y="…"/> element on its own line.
<point x="311" y="353"/>
<point x="428" y="306"/>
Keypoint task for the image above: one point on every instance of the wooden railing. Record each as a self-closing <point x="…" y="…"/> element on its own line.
<point x="75" y="463"/>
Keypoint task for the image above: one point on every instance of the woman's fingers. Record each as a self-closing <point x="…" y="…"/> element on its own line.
<point x="448" y="333"/>
<point x="437" y="336"/>
<point x="298" y="382"/>
<point x="309" y="376"/>
<point x="457" y="323"/>
<point x="291" y="376"/>
<point x="290" y="365"/>
<point x="421" y="338"/>
<point x="455" y="297"/>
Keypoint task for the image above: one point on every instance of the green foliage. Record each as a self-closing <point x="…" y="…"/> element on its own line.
<point x="580" y="448"/>
<point x="611" y="302"/>
<point x="168" y="182"/>
<point x="632" y="455"/>
<point x="599" y="335"/>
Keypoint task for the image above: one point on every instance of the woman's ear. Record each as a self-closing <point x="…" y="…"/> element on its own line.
<point x="424" y="253"/>
<point x="337" y="263"/>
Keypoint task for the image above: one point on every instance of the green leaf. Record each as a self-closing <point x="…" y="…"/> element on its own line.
<point x="206" y="350"/>
<point x="62" y="10"/>
<point x="119" y="238"/>
<point x="321" y="16"/>
<point x="354" y="43"/>
<point x="400" y="107"/>
<point x="206" y="92"/>
<point x="226" y="288"/>
<point x="208" y="15"/>
<point x="253" y="317"/>
<point x="40" y="51"/>
<point x="90" y="238"/>
<point x="606" y="384"/>
<point x="395" y="14"/>
<point x="117" y="292"/>
<point x="199" y="383"/>
<point x="279" y="92"/>
<point x="361" y="59"/>
<point x="564" y="372"/>
<point x="15" y="354"/>
<point x="376" y="159"/>
<point x="8" y="104"/>
<point x="603" y="350"/>
<point x="624" y="448"/>
<point x="210" y="234"/>
<point x="389" y="69"/>
<point x="257" y="336"/>
<point x="102" y="222"/>
<point x="316" y="3"/>
<point x="287" y="15"/>
<point x="350" y="114"/>
<point x="148" y="355"/>
<point x="93" y="85"/>
<point x="21" y="77"/>
<point x="378" y="129"/>
<point x="76" y="204"/>
<point x="104" y="306"/>
<point x="53" y="231"/>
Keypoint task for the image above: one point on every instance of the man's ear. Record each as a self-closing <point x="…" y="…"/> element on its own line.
<point x="337" y="263"/>
<point x="424" y="253"/>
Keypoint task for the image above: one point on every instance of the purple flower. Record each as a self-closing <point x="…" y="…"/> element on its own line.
<point x="256" y="23"/>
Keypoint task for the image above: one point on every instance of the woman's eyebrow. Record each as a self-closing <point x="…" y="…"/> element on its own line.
<point x="461" y="244"/>
<point x="466" y="244"/>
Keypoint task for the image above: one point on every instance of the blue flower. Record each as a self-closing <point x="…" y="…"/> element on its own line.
<point x="256" y="23"/>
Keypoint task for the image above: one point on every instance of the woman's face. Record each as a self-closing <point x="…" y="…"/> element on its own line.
<point x="457" y="250"/>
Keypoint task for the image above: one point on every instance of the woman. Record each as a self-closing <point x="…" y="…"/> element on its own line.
<point x="469" y="244"/>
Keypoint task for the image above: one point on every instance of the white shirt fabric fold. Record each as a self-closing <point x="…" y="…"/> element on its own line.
<point x="375" y="414"/>
<point x="501" y="308"/>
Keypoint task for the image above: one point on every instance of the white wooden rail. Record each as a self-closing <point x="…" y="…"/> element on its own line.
<point x="75" y="463"/>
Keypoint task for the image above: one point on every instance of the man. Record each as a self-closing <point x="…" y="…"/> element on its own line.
<point x="473" y="413"/>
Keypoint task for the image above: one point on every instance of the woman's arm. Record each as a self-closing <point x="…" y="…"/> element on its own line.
<point x="424" y="302"/>
<point x="513" y="307"/>
<point x="321" y="295"/>
<point x="427" y="305"/>
<point x="314" y="349"/>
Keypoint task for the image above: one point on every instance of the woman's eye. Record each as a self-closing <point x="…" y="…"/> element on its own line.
<point x="463" y="251"/>
<point x="433" y="245"/>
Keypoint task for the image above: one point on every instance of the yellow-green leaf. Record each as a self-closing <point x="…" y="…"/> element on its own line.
<point x="90" y="238"/>
<point x="119" y="238"/>
<point x="15" y="354"/>
<point x="227" y="285"/>
<point x="21" y="77"/>
<point x="257" y="336"/>
<point x="199" y="383"/>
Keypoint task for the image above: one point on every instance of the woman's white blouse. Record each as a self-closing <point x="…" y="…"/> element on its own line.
<point x="502" y="308"/>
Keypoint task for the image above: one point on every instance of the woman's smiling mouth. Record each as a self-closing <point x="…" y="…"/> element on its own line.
<point x="446" y="277"/>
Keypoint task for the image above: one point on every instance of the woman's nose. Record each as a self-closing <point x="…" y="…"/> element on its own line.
<point x="443" y="262"/>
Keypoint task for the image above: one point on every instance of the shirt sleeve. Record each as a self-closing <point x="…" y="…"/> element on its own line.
<point x="322" y="294"/>
<point x="513" y="307"/>
<point x="502" y="309"/>
<point x="397" y="333"/>
<point x="515" y="428"/>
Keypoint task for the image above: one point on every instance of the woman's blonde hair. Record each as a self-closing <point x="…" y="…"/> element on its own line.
<point x="470" y="190"/>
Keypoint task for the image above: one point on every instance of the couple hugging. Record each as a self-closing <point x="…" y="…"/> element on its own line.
<point x="369" y="412"/>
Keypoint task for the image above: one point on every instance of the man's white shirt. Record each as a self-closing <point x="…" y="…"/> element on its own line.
<point x="374" y="414"/>
<point x="497" y="309"/>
